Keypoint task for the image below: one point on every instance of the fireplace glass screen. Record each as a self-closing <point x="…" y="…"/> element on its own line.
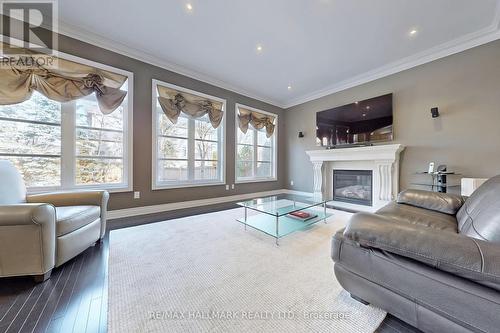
<point x="353" y="186"/>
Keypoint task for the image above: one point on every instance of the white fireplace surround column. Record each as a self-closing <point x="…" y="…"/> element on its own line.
<point x="318" y="178"/>
<point x="382" y="160"/>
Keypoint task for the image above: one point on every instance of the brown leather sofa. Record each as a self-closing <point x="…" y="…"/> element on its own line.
<point x="430" y="259"/>
<point x="43" y="231"/>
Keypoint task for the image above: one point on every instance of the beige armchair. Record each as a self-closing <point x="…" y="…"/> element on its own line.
<point x="43" y="231"/>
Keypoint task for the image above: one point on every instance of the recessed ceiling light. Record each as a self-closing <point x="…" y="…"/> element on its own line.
<point x="356" y="102"/>
<point x="289" y="87"/>
<point x="368" y="107"/>
<point x="413" y="32"/>
<point x="364" y="114"/>
<point x="189" y="7"/>
<point x="259" y="48"/>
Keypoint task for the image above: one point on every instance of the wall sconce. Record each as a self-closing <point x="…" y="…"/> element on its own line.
<point x="301" y="134"/>
<point x="435" y="112"/>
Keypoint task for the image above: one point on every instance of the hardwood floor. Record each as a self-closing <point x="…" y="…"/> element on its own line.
<point x="75" y="298"/>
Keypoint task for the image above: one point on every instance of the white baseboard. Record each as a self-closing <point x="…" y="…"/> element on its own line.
<point x="144" y="210"/>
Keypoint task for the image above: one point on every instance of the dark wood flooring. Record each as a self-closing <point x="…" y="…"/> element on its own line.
<point x="75" y="299"/>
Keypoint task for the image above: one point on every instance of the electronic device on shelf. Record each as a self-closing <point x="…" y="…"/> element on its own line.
<point x="431" y="167"/>
<point x="439" y="178"/>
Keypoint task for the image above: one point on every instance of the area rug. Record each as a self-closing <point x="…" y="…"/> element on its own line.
<point x="206" y="273"/>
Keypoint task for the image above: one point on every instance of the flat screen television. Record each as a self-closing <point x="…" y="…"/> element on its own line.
<point x="358" y="123"/>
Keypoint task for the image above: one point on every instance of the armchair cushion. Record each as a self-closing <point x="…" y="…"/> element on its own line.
<point x="12" y="190"/>
<point x="71" y="218"/>
<point x="460" y="255"/>
<point x="82" y="198"/>
<point x="439" y="202"/>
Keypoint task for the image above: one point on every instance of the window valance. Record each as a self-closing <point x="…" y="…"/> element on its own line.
<point x="63" y="82"/>
<point x="256" y="119"/>
<point x="173" y="102"/>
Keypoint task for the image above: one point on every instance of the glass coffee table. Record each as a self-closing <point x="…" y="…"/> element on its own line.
<point x="275" y="219"/>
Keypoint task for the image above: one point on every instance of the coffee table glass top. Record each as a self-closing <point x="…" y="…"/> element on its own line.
<point x="281" y="206"/>
<point x="272" y="214"/>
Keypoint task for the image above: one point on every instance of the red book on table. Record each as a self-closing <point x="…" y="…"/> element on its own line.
<point x="301" y="214"/>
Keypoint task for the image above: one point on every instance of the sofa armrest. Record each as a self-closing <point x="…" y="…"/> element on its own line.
<point x="27" y="239"/>
<point x="439" y="202"/>
<point x="460" y="255"/>
<point x="81" y="198"/>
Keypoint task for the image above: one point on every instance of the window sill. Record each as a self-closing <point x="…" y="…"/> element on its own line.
<point x="186" y="185"/>
<point x="255" y="180"/>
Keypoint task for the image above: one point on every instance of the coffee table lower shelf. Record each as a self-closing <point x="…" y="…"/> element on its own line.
<point x="279" y="226"/>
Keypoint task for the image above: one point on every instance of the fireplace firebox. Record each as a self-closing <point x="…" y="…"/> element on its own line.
<point x="353" y="186"/>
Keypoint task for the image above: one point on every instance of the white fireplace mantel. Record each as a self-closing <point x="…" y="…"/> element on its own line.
<point x="383" y="160"/>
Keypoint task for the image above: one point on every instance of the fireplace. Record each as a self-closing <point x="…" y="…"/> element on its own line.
<point x="353" y="186"/>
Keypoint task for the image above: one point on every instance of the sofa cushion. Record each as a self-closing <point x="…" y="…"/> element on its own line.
<point x="71" y="218"/>
<point x="419" y="216"/>
<point x="479" y="217"/>
<point x="470" y="258"/>
<point x="460" y="300"/>
<point x="436" y="201"/>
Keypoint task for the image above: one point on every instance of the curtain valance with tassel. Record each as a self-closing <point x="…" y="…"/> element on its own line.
<point x="173" y="102"/>
<point x="64" y="81"/>
<point x="256" y="119"/>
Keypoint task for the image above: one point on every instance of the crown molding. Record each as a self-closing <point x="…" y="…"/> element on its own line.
<point x="108" y="44"/>
<point x="463" y="43"/>
<point x="486" y="35"/>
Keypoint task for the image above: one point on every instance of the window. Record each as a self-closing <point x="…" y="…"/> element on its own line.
<point x="30" y="137"/>
<point x="100" y="149"/>
<point x="255" y="151"/>
<point x="189" y="152"/>
<point x="67" y="145"/>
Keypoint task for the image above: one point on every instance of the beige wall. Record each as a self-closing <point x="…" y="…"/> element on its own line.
<point x="466" y="137"/>
<point x="143" y="74"/>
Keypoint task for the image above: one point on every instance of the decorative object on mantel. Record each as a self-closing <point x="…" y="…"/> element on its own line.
<point x="469" y="185"/>
<point x="301" y="134"/>
<point x="382" y="160"/>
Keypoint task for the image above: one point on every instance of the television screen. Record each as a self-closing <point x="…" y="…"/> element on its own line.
<point x="361" y="122"/>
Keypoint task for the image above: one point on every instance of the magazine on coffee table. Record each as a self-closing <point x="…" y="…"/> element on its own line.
<point x="302" y="215"/>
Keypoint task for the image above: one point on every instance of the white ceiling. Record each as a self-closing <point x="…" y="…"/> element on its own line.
<point x="316" y="46"/>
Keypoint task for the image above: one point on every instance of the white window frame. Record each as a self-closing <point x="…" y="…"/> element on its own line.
<point x="221" y="158"/>
<point x="274" y="162"/>
<point x="68" y="151"/>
